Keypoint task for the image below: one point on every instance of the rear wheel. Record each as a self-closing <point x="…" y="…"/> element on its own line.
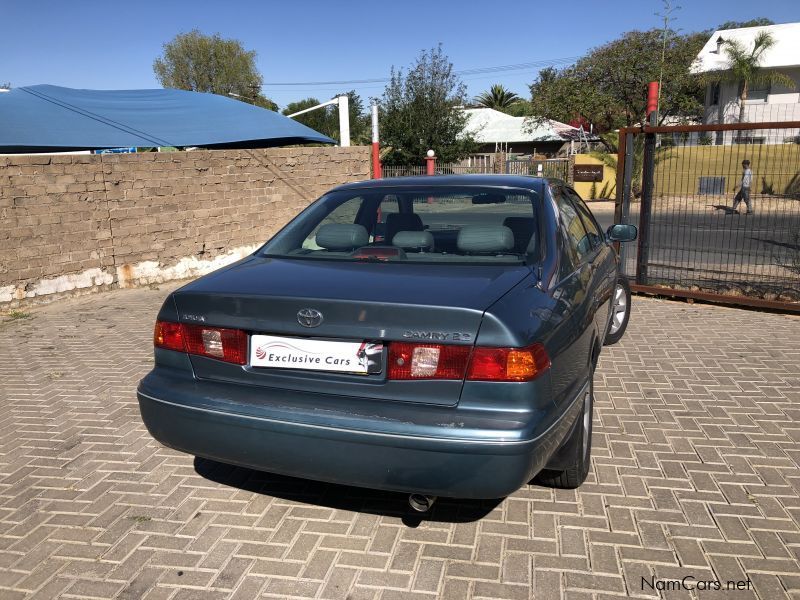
<point x="620" y="312"/>
<point x="580" y="448"/>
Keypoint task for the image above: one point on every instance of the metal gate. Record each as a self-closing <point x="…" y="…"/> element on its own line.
<point x="551" y="167"/>
<point x="679" y="185"/>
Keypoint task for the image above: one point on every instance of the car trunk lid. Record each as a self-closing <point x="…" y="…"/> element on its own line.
<point x="358" y="302"/>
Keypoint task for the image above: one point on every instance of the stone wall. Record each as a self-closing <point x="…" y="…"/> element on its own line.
<point x="78" y="223"/>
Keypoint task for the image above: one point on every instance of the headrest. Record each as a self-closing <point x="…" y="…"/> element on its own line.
<point x="341" y="236"/>
<point x="413" y="240"/>
<point x="485" y="238"/>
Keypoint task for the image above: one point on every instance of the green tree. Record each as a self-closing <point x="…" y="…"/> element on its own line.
<point x="326" y="119"/>
<point x="759" y="22"/>
<point x="608" y="85"/>
<point x="420" y="111"/>
<point x="497" y="97"/>
<point x="208" y="63"/>
<point x="742" y="67"/>
<point x="316" y="119"/>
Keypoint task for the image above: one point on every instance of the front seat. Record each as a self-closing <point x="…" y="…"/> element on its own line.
<point x="401" y="222"/>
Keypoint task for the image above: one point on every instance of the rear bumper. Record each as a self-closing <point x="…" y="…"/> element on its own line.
<point x="184" y="414"/>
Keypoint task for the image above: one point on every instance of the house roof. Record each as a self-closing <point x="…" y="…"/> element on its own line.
<point x="785" y="52"/>
<point x="490" y="126"/>
<point x="42" y="118"/>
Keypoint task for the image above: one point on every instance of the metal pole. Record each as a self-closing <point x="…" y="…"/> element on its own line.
<point x="626" y="145"/>
<point x="344" y="121"/>
<point x="377" y="172"/>
<point x="305" y="110"/>
<point x="648" y="172"/>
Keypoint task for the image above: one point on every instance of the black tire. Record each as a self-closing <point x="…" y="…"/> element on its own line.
<point x="579" y="445"/>
<point x="623" y="288"/>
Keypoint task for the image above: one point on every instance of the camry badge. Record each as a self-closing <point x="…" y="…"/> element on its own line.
<point x="309" y="317"/>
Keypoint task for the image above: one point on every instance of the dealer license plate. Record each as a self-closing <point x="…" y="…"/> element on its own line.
<point x="315" y="355"/>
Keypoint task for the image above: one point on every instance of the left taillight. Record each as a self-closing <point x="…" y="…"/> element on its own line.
<point x="229" y="345"/>
<point x="169" y="335"/>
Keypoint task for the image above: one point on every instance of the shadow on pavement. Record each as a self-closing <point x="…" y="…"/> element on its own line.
<point x="377" y="502"/>
<point x="728" y="210"/>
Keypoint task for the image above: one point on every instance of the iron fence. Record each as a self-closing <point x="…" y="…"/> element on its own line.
<point x="402" y="170"/>
<point x="695" y="239"/>
<point x="552" y="167"/>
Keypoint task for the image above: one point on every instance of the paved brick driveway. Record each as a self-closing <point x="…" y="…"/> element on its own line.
<point x="695" y="472"/>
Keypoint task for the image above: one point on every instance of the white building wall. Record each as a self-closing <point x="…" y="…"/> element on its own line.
<point x="782" y="104"/>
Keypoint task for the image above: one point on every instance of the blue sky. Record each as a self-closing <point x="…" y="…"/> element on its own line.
<point x="112" y="45"/>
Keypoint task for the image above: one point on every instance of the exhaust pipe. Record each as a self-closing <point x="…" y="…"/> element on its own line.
<point x="421" y="502"/>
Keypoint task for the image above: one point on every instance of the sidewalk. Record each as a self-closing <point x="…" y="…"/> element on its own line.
<point x="695" y="472"/>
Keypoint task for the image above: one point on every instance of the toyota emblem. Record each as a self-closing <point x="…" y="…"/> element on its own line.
<point x="309" y="317"/>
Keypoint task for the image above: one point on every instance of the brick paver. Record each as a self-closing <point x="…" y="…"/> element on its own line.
<point x="694" y="472"/>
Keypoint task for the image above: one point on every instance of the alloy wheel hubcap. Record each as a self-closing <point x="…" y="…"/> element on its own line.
<point x="619" y="309"/>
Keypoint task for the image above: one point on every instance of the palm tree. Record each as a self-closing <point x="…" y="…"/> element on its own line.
<point x="498" y="97"/>
<point x="743" y="67"/>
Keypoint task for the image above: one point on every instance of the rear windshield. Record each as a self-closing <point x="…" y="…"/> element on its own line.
<point x="451" y="225"/>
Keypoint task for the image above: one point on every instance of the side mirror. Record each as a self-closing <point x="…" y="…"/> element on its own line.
<point x="622" y="233"/>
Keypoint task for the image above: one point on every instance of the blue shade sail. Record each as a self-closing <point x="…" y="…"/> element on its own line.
<point x="42" y="118"/>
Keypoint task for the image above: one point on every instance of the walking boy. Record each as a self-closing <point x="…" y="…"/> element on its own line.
<point x="744" y="189"/>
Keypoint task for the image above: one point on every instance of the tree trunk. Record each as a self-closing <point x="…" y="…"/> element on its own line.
<point x="742" y="100"/>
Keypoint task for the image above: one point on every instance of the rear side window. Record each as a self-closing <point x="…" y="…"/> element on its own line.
<point x="589" y="222"/>
<point x="576" y="239"/>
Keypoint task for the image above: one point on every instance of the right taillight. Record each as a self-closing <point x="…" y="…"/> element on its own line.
<point x="229" y="345"/>
<point x="507" y="364"/>
<point x="443" y="361"/>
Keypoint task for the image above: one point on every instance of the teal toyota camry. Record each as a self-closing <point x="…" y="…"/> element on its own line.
<point x="436" y="336"/>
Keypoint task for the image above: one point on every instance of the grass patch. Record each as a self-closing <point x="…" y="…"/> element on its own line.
<point x="15" y="315"/>
<point x="139" y="518"/>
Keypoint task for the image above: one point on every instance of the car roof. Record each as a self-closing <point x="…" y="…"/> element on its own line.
<point x="513" y="181"/>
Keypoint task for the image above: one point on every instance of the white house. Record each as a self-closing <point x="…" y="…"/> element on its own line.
<point x="497" y="131"/>
<point x="764" y="102"/>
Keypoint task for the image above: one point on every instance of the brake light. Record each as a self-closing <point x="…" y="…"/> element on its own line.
<point x="229" y="345"/>
<point x="169" y="335"/>
<point x="442" y="361"/>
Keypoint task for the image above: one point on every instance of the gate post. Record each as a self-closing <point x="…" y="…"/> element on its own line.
<point x="430" y="163"/>
<point x="648" y="172"/>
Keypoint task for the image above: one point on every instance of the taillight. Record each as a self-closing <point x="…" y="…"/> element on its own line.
<point x="442" y="361"/>
<point x="229" y="345"/>
<point x="169" y="335"/>
<point x="508" y="364"/>
<point x="427" y="361"/>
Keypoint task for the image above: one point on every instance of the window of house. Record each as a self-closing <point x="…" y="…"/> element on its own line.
<point x="713" y="94"/>
<point x="756" y="92"/>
